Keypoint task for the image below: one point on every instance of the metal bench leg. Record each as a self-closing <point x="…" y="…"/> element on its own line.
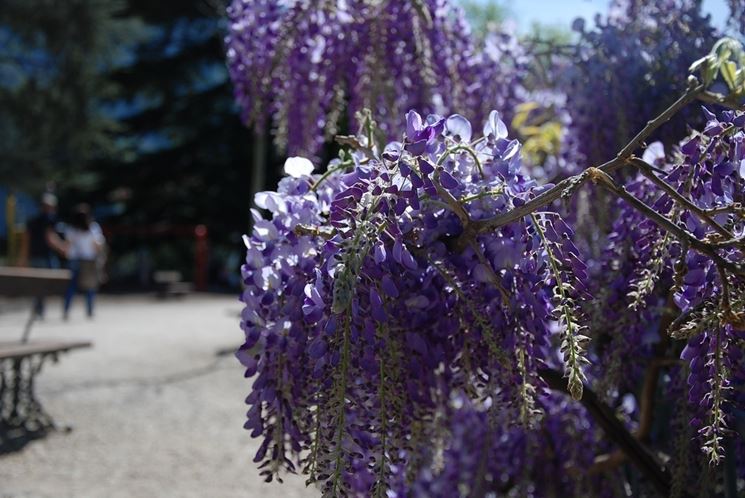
<point x="22" y="417"/>
<point x="38" y="417"/>
<point x="29" y="324"/>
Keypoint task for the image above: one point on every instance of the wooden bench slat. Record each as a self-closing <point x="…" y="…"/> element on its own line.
<point x="14" y="349"/>
<point x="33" y="282"/>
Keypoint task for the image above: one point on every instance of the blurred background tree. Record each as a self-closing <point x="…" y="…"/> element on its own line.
<point x="54" y="65"/>
<point x="183" y="147"/>
<point x="126" y="104"/>
<point x="184" y="154"/>
<point x="484" y="16"/>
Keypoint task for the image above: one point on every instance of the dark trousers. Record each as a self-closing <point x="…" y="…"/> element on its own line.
<point x="72" y="289"/>
<point x="51" y="261"/>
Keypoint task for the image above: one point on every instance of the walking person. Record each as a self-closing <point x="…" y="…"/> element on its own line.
<point x="42" y="246"/>
<point x="85" y="242"/>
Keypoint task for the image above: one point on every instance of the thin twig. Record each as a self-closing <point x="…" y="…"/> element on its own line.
<point x="647" y="170"/>
<point x="463" y="147"/>
<point x="451" y="201"/>
<point x="719" y="99"/>
<point x="735" y="208"/>
<point x="664" y="117"/>
<point x="605" y="181"/>
<point x="539" y="201"/>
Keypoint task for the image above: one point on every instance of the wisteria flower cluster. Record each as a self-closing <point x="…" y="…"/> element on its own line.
<point x="420" y="321"/>
<point x="627" y="68"/>
<point x="654" y="272"/>
<point x="379" y="316"/>
<point x="306" y="68"/>
<point x="425" y="316"/>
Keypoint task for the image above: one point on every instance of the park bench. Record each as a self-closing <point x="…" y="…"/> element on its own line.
<point x="170" y="284"/>
<point x="22" y="416"/>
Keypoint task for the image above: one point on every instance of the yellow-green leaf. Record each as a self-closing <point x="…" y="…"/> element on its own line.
<point x="729" y="70"/>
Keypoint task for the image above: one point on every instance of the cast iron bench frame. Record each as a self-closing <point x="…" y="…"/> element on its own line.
<point x="22" y="416"/>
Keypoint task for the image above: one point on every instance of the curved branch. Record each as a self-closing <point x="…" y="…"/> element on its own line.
<point x="615" y="431"/>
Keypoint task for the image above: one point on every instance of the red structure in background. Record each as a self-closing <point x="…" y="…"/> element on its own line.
<point x="201" y="253"/>
<point x="198" y="232"/>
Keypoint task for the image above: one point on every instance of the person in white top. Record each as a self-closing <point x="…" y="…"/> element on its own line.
<point x="84" y="242"/>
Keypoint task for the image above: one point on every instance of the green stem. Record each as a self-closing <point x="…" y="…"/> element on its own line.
<point x="481" y="195"/>
<point x="380" y="486"/>
<point x="328" y="173"/>
<point x="575" y="373"/>
<point x="341" y="417"/>
<point x="456" y="148"/>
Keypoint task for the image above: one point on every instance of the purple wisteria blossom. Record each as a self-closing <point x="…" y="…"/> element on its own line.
<point x="306" y="67"/>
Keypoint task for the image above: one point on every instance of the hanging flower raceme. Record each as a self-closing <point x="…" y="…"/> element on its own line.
<point x="373" y="312"/>
<point x="404" y="324"/>
<point x="651" y="269"/>
<point x="307" y="67"/>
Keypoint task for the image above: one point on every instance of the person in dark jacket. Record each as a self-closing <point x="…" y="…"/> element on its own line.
<point x="42" y="244"/>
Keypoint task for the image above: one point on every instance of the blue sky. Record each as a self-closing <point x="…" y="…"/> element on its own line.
<point x="563" y="12"/>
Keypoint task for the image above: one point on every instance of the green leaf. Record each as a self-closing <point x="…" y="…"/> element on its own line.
<point x="697" y="64"/>
<point x="708" y="67"/>
<point x="740" y="81"/>
<point x="710" y="70"/>
<point x="723" y="56"/>
<point x="729" y="70"/>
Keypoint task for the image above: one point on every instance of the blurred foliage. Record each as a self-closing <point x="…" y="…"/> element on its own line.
<point x="550" y="33"/>
<point x="127" y="105"/>
<point x="53" y="75"/>
<point x="537" y="125"/>
<point x="539" y="130"/>
<point x="483" y="16"/>
<point x="184" y="152"/>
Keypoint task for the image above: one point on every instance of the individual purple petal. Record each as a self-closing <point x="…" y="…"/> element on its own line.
<point x="248" y="360"/>
<point x="458" y="128"/>
<point x="404" y="169"/>
<point x="710" y="116"/>
<point x="416" y="343"/>
<point x="376" y="306"/>
<point x="397" y="251"/>
<point x="494" y="127"/>
<point x="695" y="277"/>
<point x="725" y="168"/>
<point x="713" y="128"/>
<point x="447" y="180"/>
<point x="416" y="181"/>
<point x="417" y="148"/>
<point x="413" y="124"/>
<point x="379" y="253"/>
<point x="690" y="146"/>
<point x="425" y="166"/>
<point x="511" y="150"/>
<point x="317" y="348"/>
<point x="408" y="260"/>
<point x="389" y="287"/>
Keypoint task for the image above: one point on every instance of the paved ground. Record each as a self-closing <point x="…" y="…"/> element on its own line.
<point x="156" y="412"/>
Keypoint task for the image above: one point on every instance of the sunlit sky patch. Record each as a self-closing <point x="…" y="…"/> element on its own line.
<point x="563" y="12"/>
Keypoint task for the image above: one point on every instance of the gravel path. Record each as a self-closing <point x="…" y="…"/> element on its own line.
<point x="156" y="411"/>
